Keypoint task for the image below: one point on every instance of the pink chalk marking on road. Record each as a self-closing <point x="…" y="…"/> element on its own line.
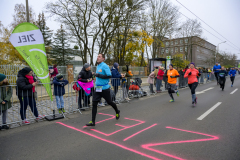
<point x="140" y="132"/>
<point x="121" y="125"/>
<point x="147" y="146"/>
<point x="125" y="127"/>
<point x="111" y="142"/>
<point x="112" y="117"/>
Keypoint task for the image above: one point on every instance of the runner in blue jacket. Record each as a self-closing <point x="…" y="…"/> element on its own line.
<point x="216" y="70"/>
<point x="232" y="74"/>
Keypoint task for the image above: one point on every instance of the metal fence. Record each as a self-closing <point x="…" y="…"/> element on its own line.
<point x="77" y="101"/>
<point x="11" y="72"/>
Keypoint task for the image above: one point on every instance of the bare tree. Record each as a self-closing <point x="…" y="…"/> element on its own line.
<point x="164" y="19"/>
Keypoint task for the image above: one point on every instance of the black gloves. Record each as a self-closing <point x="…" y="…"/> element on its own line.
<point x="190" y="73"/>
<point x="199" y="74"/>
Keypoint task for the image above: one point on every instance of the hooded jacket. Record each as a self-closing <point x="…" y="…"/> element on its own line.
<point x="5" y="95"/>
<point x="24" y="88"/>
<point x="59" y="89"/>
<point x="84" y="75"/>
<point x="115" y="77"/>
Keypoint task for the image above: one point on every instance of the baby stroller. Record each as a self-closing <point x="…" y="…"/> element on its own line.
<point x="135" y="90"/>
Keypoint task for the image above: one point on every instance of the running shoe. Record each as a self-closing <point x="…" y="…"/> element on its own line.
<point x="118" y="115"/>
<point x="231" y="85"/>
<point x="63" y="110"/>
<point x="25" y="122"/>
<point x="90" y="124"/>
<point x="59" y="111"/>
<point x="40" y="117"/>
<point x="171" y="100"/>
<point x="177" y="92"/>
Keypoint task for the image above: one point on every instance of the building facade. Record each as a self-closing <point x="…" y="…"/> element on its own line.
<point x="194" y="49"/>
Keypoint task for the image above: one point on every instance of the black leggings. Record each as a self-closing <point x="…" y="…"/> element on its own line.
<point x="97" y="97"/>
<point x="171" y="90"/>
<point x="232" y="79"/>
<point x="193" y="87"/>
<point x="216" y="75"/>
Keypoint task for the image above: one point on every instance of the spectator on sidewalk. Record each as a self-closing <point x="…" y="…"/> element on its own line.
<point x="155" y="74"/>
<point x="160" y="78"/>
<point x="150" y="81"/>
<point x="59" y="91"/>
<point x="5" y="100"/>
<point x="26" y="84"/>
<point x="84" y="76"/>
<point x="127" y="76"/>
<point x="115" y="78"/>
<point x="54" y="72"/>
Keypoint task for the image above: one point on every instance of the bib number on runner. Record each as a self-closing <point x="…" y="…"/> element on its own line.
<point x="99" y="88"/>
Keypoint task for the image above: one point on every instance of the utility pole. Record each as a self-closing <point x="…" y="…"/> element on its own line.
<point x="27" y="11"/>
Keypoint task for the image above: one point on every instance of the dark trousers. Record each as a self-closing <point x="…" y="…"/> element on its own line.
<point x="216" y="75"/>
<point x="115" y="92"/>
<point x="86" y="99"/>
<point x="232" y="79"/>
<point x="97" y="97"/>
<point x="193" y="87"/>
<point x="24" y="102"/>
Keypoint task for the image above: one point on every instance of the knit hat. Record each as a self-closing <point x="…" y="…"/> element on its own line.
<point x="86" y="65"/>
<point x="2" y="77"/>
<point x="171" y="65"/>
<point x="115" y="65"/>
<point x="193" y="63"/>
<point x="25" y="70"/>
<point x="59" y="76"/>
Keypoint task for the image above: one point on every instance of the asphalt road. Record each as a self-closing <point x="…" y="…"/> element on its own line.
<point x="149" y="128"/>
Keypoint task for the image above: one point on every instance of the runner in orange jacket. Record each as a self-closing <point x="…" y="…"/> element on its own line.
<point x="192" y="75"/>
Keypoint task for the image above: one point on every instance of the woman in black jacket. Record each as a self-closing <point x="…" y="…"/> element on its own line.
<point x="84" y="76"/>
<point x="25" y="91"/>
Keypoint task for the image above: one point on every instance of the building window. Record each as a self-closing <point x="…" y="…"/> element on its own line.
<point x="166" y="50"/>
<point x="181" y="41"/>
<point x="172" y="50"/>
<point x="176" y="49"/>
<point x="162" y="51"/>
<point x="185" y="49"/>
<point x="186" y="40"/>
<point x="167" y="43"/>
<point x="171" y="42"/>
<point x="181" y="49"/>
<point x="176" y="41"/>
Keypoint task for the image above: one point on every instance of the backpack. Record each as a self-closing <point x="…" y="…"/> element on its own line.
<point x="76" y="87"/>
<point x="51" y="70"/>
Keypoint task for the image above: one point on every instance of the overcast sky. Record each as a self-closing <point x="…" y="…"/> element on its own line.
<point x="222" y="15"/>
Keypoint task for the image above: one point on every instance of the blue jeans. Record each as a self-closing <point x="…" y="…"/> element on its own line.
<point x="158" y="84"/>
<point x="60" y="102"/>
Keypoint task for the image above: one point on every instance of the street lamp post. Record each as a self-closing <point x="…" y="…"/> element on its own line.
<point x="217" y="49"/>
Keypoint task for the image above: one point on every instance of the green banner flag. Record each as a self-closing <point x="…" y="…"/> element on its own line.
<point x="28" y="40"/>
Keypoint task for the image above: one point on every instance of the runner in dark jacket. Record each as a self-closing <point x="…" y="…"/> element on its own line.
<point x="222" y="77"/>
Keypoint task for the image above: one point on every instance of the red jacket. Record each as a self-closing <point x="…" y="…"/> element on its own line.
<point x="160" y="74"/>
<point x="55" y="73"/>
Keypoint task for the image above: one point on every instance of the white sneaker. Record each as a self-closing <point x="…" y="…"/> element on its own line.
<point x="101" y="105"/>
<point x="40" y="117"/>
<point x="25" y="122"/>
